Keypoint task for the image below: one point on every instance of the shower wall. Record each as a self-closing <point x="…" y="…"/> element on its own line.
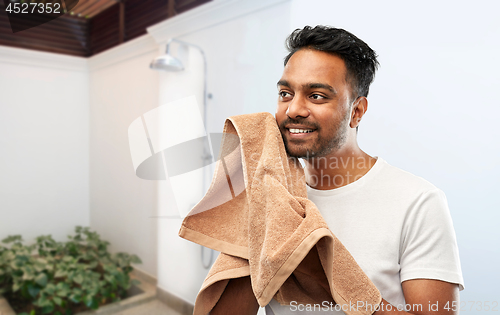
<point x="44" y="143"/>
<point x="122" y="206"/>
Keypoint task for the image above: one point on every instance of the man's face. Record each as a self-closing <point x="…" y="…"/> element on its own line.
<point x="313" y="111"/>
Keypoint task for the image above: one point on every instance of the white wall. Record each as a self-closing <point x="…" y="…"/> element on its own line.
<point x="433" y="108"/>
<point x="122" y="206"/>
<point x="65" y="157"/>
<point x="244" y="44"/>
<point x="44" y="138"/>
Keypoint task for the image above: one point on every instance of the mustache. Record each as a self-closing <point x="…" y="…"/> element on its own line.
<point x="302" y="122"/>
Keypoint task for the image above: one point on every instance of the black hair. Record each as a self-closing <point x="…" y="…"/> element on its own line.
<point x="360" y="60"/>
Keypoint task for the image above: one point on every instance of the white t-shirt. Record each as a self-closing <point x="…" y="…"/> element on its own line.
<point x="396" y="225"/>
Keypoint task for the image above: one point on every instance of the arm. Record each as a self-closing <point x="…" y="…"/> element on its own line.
<point x="237" y="298"/>
<point x="429" y="251"/>
<point x="422" y="295"/>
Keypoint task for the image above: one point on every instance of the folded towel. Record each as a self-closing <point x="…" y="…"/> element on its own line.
<point x="256" y="213"/>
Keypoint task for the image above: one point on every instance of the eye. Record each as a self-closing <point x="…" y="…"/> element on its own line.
<point x="317" y="97"/>
<point x="284" y="94"/>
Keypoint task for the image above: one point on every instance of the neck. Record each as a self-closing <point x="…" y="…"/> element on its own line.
<point x="339" y="168"/>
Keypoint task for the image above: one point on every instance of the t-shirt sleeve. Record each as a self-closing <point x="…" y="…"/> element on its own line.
<point x="428" y="246"/>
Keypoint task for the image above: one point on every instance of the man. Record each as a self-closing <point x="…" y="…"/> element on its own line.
<point x="396" y="225"/>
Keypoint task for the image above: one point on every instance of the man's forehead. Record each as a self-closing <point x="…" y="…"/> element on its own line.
<point x="314" y="66"/>
<point x="313" y="57"/>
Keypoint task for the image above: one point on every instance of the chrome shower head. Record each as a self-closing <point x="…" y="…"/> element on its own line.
<point x="166" y="62"/>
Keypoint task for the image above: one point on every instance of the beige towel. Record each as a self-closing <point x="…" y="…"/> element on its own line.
<point x="256" y="213"/>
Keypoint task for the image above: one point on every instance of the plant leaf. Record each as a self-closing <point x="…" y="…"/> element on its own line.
<point x="12" y="238"/>
<point x="48" y="308"/>
<point x="33" y="290"/>
<point x="63" y="289"/>
<point x="78" y="279"/>
<point x="135" y="259"/>
<point x="41" y="279"/>
<point x="14" y="265"/>
<point x="39" y="267"/>
<point x="106" y="292"/>
<point x="16" y="286"/>
<point x="60" y="273"/>
<point x="50" y="289"/>
<point x="28" y="273"/>
<point x="91" y="302"/>
<point x="110" y="279"/>
<point x="75" y="298"/>
<point x="57" y="300"/>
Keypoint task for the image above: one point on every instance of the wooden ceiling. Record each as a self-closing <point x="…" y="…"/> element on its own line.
<point x="90" y="8"/>
<point x="93" y="26"/>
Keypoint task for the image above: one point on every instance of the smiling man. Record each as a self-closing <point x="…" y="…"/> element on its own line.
<point x="396" y="225"/>
<point x="318" y="114"/>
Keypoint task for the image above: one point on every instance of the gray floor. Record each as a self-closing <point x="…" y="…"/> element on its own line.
<point x="155" y="307"/>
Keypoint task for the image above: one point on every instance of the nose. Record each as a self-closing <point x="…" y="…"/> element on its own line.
<point x="297" y="108"/>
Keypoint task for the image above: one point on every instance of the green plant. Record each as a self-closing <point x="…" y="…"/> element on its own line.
<point x="52" y="277"/>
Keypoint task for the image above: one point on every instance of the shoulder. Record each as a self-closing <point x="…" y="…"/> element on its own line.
<point x="422" y="205"/>
<point x="403" y="183"/>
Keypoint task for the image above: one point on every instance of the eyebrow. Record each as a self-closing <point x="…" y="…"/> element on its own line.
<point x="283" y="82"/>
<point x="309" y="86"/>
<point x="320" y="86"/>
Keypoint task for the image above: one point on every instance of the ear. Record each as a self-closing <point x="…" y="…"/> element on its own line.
<point x="359" y="109"/>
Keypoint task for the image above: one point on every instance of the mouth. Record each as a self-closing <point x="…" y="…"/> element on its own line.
<point x="299" y="132"/>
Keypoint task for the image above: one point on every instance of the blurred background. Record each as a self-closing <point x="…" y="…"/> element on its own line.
<point x="69" y="90"/>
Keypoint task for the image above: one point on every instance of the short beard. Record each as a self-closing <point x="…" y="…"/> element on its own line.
<point x="322" y="146"/>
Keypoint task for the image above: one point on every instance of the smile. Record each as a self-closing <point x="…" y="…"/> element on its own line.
<point x="295" y="130"/>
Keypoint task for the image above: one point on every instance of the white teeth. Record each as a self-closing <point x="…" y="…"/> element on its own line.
<point x="300" y="130"/>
